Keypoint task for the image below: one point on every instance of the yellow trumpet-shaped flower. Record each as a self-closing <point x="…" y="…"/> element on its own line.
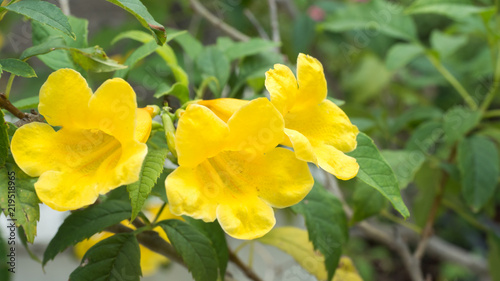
<point x="317" y="129"/>
<point x="233" y="170"/>
<point x="150" y="261"/>
<point x="99" y="146"/>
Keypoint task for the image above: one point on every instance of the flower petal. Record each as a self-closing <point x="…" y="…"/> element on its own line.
<point x="256" y="128"/>
<point x="143" y="125"/>
<point x="249" y="219"/>
<point x="223" y="108"/>
<point x="33" y="148"/>
<point x="312" y="82"/>
<point x="324" y="123"/>
<point x="200" y="135"/>
<point x="282" y="86"/>
<point x="64" y="191"/>
<point x="301" y="146"/>
<point x="64" y="99"/>
<point x="113" y="109"/>
<point x="187" y="194"/>
<point x="336" y="162"/>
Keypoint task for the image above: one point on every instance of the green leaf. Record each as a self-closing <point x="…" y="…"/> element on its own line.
<point x="214" y="232"/>
<point x="366" y="202"/>
<point x="295" y="242"/>
<point x="4" y="258"/>
<point x="454" y="9"/>
<point x="425" y="136"/>
<point x="138" y="10"/>
<point x="139" y="54"/>
<point x="43" y="12"/>
<point x="4" y="140"/>
<point x="143" y="36"/>
<point x="458" y="121"/>
<point x="326" y="224"/>
<point x="413" y="116"/>
<point x="446" y="44"/>
<point x="115" y="258"/>
<point x="405" y="164"/>
<point x="85" y="223"/>
<point x="27" y="103"/>
<point x="401" y="54"/>
<point x="248" y="48"/>
<point x="17" y="67"/>
<point x="479" y="167"/>
<point x="178" y="90"/>
<point x="189" y="44"/>
<point x="376" y="172"/>
<point x="213" y="62"/>
<point x="374" y="17"/>
<point x="151" y="170"/>
<point x="52" y="43"/>
<point x="194" y="248"/>
<point x="18" y="198"/>
<point x="494" y="256"/>
<point x="94" y="59"/>
<point x="24" y="240"/>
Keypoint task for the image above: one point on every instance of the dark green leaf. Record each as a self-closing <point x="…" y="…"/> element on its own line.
<point x="4" y="140"/>
<point x="478" y="164"/>
<point x="214" y="232"/>
<point x="326" y="224"/>
<point x="139" y="54"/>
<point x="401" y="54"/>
<point x="151" y="170"/>
<point x="136" y="8"/>
<point x="366" y="202"/>
<point x="413" y="116"/>
<point x="17" y="67"/>
<point x="116" y="258"/>
<point x="425" y="136"/>
<point x="458" y="121"/>
<point x="194" y="248"/>
<point x="213" y="62"/>
<point x="376" y="172"/>
<point x="250" y="47"/>
<point x="494" y="256"/>
<point x="15" y="185"/>
<point x="52" y="43"/>
<point x="455" y="9"/>
<point x="178" y="90"/>
<point x="85" y="223"/>
<point x="159" y="188"/>
<point x="43" y="12"/>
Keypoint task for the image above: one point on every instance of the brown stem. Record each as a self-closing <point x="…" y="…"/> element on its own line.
<point x="5" y="103"/>
<point x="241" y="265"/>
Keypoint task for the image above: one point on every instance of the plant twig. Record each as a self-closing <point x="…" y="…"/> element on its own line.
<point x="202" y="11"/>
<point x="275" y="27"/>
<point x="241" y="265"/>
<point x="65" y="7"/>
<point x="256" y="24"/>
<point x="5" y="103"/>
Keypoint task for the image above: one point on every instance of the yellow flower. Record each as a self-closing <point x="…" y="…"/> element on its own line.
<point x="150" y="261"/>
<point x="317" y="129"/>
<point x="99" y="146"/>
<point x="233" y="171"/>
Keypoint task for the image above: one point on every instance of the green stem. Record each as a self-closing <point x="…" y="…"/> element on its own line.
<point x="400" y="221"/>
<point x="492" y="113"/>
<point x="494" y="89"/>
<point x="241" y="246"/>
<point x="453" y="81"/>
<point x="159" y="213"/>
<point x="467" y="217"/>
<point x="9" y="85"/>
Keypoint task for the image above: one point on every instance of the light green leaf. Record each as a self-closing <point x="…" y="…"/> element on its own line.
<point x="151" y="170"/>
<point x="43" y="12"/>
<point x="326" y="224"/>
<point x="4" y="140"/>
<point x="17" y="67"/>
<point x="458" y="121"/>
<point x="16" y="186"/>
<point x="401" y="54"/>
<point x="367" y="202"/>
<point x="52" y="43"/>
<point x="138" y="10"/>
<point x="27" y="103"/>
<point x="248" y="48"/>
<point x="85" y="223"/>
<point x="189" y="44"/>
<point x="178" y="90"/>
<point x="94" y="59"/>
<point x="479" y="167"/>
<point x="373" y="17"/>
<point x="446" y="44"/>
<point x="405" y="164"/>
<point x="454" y="9"/>
<point x="139" y="54"/>
<point x="115" y="258"/>
<point x="376" y="172"/>
<point x="212" y="62"/>
<point x="194" y="248"/>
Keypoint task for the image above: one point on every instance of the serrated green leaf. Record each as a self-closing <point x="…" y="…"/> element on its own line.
<point x="214" y="232"/>
<point x="52" y="43"/>
<point x="139" y="11"/>
<point x="178" y="90"/>
<point x="116" y="258"/>
<point x="376" y="172"/>
<point x="212" y="62"/>
<point x="479" y="167"/>
<point x="4" y="140"/>
<point x="326" y="224"/>
<point x="138" y="54"/>
<point x="27" y="103"/>
<point x="405" y="164"/>
<point x="17" y="67"/>
<point x="5" y="245"/>
<point x="458" y="121"/>
<point x="24" y="240"/>
<point x="248" y="48"/>
<point x="94" y="59"/>
<point x="194" y="248"/>
<point x="494" y="256"/>
<point x="159" y="188"/>
<point x="18" y="198"/>
<point x="43" y="12"/>
<point x="295" y="242"/>
<point x="455" y="9"/>
<point x="366" y="202"/>
<point x="151" y="170"/>
<point x="401" y="54"/>
<point x="85" y="223"/>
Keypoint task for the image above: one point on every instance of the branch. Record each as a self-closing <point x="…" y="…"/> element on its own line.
<point x="275" y="26"/>
<point x="5" y="103"/>
<point x="201" y="10"/>
<point x="248" y="271"/>
<point x="256" y="24"/>
<point x="65" y="7"/>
